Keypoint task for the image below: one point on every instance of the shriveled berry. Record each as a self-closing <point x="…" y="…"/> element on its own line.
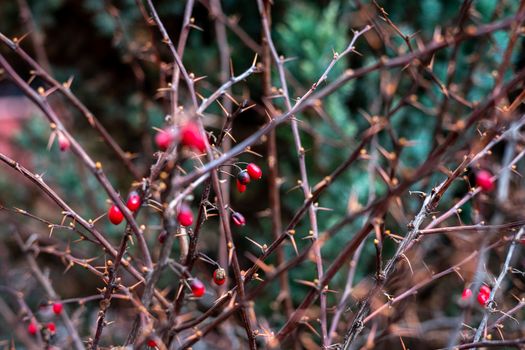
<point x="240" y="187"/>
<point x="191" y="137"/>
<point x="57" y="308"/>
<point x="115" y="215"/>
<point x="63" y="142"/>
<point x="484" y="289"/>
<point x="483" y="298"/>
<point x="185" y="216"/>
<point x="219" y="276"/>
<point x="162" y="237"/>
<point x="484" y="180"/>
<point x="152" y="343"/>
<point x="197" y="288"/>
<point x="51" y="327"/>
<point x="164" y="139"/>
<point x="32" y="328"/>
<point x="238" y="219"/>
<point x="243" y="177"/>
<point x="254" y="171"/>
<point x="133" y="202"/>
<point x="467" y="293"/>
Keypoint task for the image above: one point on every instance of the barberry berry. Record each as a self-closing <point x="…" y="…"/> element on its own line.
<point x="238" y="219"/>
<point x="219" y="276"/>
<point x="133" y="202"/>
<point x="197" y="288"/>
<point x="185" y="216"/>
<point x="254" y="171"/>
<point x="115" y="215"/>
<point x="57" y="308"/>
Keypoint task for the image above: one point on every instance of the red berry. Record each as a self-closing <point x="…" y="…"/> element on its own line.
<point x="254" y="171"/>
<point x="164" y="139"/>
<point x="185" y="216"/>
<point x="238" y="219"/>
<point x="240" y="187"/>
<point x="152" y="343"/>
<point x="484" y="289"/>
<point x="51" y="327"/>
<point x="57" y="308"/>
<point x="32" y="328"/>
<point x="243" y="177"/>
<point x="219" y="276"/>
<point x="467" y="293"/>
<point x="484" y="180"/>
<point x="483" y="299"/>
<point x="162" y="237"/>
<point x="133" y="202"/>
<point x="63" y="142"/>
<point x="191" y="137"/>
<point x="115" y="215"/>
<point x="197" y="288"/>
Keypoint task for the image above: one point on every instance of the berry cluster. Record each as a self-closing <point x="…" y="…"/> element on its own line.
<point x="483" y="295"/>
<point x="252" y="172"/>
<point x="188" y="136"/>
<point x="33" y="328"/>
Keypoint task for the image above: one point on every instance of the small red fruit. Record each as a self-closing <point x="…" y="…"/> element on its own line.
<point x="240" y="187"/>
<point x="185" y="216"/>
<point x="467" y="293"/>
<point x="63" y="142"/>
<point x="243" y="177"/>
<point x="484" y="289"/>
<point x="57" y="308"/>
<point x="197" y="288"/>
<point x="152" y="343"/>
<point x="219" y="276"/>
<point x="238" y="219"/>
<point x="163" y="139"/>
<point x="32" y="328"/>
<point x="484" y="180"/>
<point x="483" y="298"/>
<point x="115" y="215"/>
<point x="133" y="202"/>
<point x="51" y="327"/>
<point x="191" y="137"/>
<point x="254" y="171"/>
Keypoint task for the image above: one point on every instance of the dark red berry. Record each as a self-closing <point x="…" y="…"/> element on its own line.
<point x="32" y="328"/>
<point x="164" y="139"/>
<point x="219" y="276"/>
<point x="162" y="237"/>
<point x="115" y="215"/>
<point x="51" y="327"/>
<point x="57" y="308"/>
<point x="254" y="171"/>
<point x="185" y="216"/>
<point x="238" y="219"/>
<point x="240" y="187"/>
<point x="191" y="137"/>
<point x="197" y="288"/>
<point x="483" y="298"/>
<point x="243" y="177"/>
<point x="152" y="343"/>
<point x="484" y="180"/>
<point x="133" y="202"/>
<point x="467" y="293"/>
<point x="63" y="142"/>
